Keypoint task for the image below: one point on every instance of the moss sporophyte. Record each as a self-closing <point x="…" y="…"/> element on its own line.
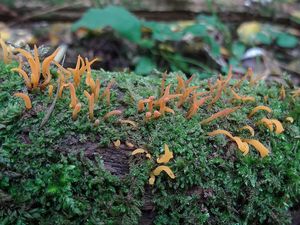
<point x="185" y="99"/>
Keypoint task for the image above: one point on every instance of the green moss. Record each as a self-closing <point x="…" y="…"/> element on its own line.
<point x="47" y="178"/>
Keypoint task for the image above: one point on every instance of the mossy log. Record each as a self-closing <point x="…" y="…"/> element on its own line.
<point x="75" y="172"/>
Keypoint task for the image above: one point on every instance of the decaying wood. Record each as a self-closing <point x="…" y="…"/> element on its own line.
<point x="228" y="11"/>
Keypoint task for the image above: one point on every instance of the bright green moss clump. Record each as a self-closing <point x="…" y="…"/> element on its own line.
<point x="62" y="173"/>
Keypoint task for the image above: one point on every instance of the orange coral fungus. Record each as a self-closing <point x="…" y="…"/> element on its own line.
<point x="165" y="158"/>
<point x="62" y="83"/>
<point x="229" y="76"/>
<point x="89" y="80"/>
<point x="141" y="105"/>
<point x="241" y="145"/>
<point x="91" y="101"/>
<point x="242" y="98"/>
<point x="221" y="86"/>
<point x="106" y="92"/>
<point x="34" y="64"/>
<point x="258" y="146"/>
<point x="157" y="171"/>
<point x="248" y="73"/>
<point x="163" y="81"/>
<point x="188" y="81"/>
<point x="50" y="90"/>
<point x="148" y="115"/>
<point x="278" y="126"/>
<point x="24" y="75"/>
<point x="46" y="63"/>
<point x="282" y="94"/>
<point x="112" y="113"/>
<point x="151" y="179"/>
<point x="156" y="114"/>
<point x="181" y="85"/>
<point x="78" y="70"/>
<point x="132" y="123"/>
<point x="257" y="108"/>
<point x="250" y="129"/>
<point x="267" y="122"/>
<point x="117" y="143"/>
<point x="195" y="105"/>
<point x="96" y="123"/>
<point x="141" y="151"/>
<point x="142" y="102"/>
<point x="296" y="93"/>
<point x="151" y="103"/>
<point x="222" y="113"/>
<point x="36" y="70"/>
<point x="6" y="52"/>
<point x="185" y="94"/>
<point x="217" y="132"/>
<point x="218" y="95"/>
<point x="97" y="90"/>
<point x="26" y="99"/>
<point x="73" y="95"/>
<point x="129" y="144"/>
<point x="162" y="101"/>
<point x="289" y="119"/>
<point x="46" y="68"/>
<point x="167" y="169"/>
<point x="76" y="110"/>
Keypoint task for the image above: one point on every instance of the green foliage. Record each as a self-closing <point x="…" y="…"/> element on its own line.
<point x="119" y="19"/>
<point x="145" y="65"/>
<point x="286" y="40"/>
<point x="158" y="42"/>
<point x="49" y="176"/>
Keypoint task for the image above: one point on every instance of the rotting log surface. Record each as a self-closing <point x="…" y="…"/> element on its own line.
<point x="167" y="10"/>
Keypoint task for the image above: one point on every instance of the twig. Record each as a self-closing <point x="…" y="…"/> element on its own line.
<point x="51" y="109"/>
<point x="49" y="112"/>
<point x="40" y="13"/>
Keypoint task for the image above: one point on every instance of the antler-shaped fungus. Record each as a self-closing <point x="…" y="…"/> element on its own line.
<point x="6" y="52"/>
<point x="258" y="108"/>
<point x="241" y="145"/>
<point x="158" y="170"/>
<point x="112" y="113"/>
<point x="78" y="70"/>
<point x="91" y="104"/>
<point x="76" y="110"/>
<point x="165" y="158"/>
<point x="222" y="113"/>
<point x="258" y="146"/>
<point x="196" y="105"/>
<point x="74" y="99"/>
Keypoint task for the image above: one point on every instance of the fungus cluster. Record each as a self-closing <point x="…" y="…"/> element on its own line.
<point x="163" y="159"/>
<point x="40" y="77"/>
